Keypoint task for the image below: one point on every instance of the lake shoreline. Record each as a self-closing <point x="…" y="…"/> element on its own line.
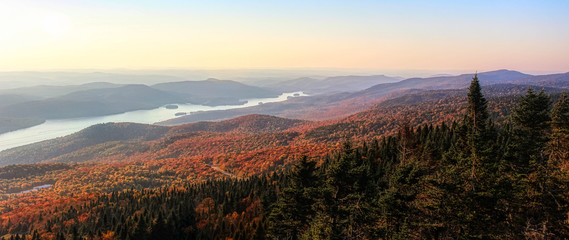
<point x="54" y="128"/>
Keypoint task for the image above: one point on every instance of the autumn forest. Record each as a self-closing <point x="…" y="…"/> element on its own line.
<point x="438" y="164"/>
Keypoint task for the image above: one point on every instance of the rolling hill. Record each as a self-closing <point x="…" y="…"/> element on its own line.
<point x="214" y="91"/>
<point x="332" y="84"/>
<point x="93" y="102"/>
<point x="51" y="91"/>
<point x="552" y="80"/>
<point x="117" y="132"/>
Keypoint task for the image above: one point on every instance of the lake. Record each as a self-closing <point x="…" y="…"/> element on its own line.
<point x="62" y="127"/>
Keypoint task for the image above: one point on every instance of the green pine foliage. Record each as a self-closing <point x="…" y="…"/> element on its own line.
<point x="558" y="145"/>
<point x="293" y="208"/>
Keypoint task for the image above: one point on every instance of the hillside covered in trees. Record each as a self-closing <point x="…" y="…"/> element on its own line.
<point x="445" y="165"/>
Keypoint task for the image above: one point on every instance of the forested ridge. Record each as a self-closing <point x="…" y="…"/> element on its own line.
<point x="464" y="179"/>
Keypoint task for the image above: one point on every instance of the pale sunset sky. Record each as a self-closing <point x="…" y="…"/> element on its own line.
<point x="529" y="36"/>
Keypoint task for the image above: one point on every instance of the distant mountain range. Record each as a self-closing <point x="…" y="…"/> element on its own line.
<point x="330" y="106"/>
<point x="445" y="82"/>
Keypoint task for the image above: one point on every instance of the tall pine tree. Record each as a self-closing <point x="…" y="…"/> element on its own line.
<point x="476" y="121"/>
<point x="466" y="180"/>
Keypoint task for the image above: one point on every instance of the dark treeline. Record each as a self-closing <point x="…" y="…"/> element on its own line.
<point x="464" y="180"/>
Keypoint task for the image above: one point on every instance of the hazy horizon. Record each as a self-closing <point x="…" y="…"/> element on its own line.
<point x="278" y="72"/>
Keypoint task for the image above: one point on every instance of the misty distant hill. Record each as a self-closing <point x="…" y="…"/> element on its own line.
<point x="138" y="93"/>
<point x="211" y="90"/>
<point x="93" y="102"/>
<point x="551" y="80"/>
<point x="333" y="84"/>
<point x="445" y="82"/>
<point x="50" y="91"/>
<point x="11" y="80"/>
<point x="9" y="99"/>
<point x="489" y="91"/>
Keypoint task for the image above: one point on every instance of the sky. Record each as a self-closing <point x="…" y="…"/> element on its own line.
<point x="529" y="36"/>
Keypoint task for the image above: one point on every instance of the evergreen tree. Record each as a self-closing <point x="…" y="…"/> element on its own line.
<point x="530" y="120"/>
<point x="558" y="146"/>
<point x="476" y="121"/>
<point x="466" y="183"/>
<point x="538" y="197"/>
<point x="406" y="142"/>
<point x="349" y="193"/>
<point x="293" y="210"/>
<point x="477" y="107"/>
